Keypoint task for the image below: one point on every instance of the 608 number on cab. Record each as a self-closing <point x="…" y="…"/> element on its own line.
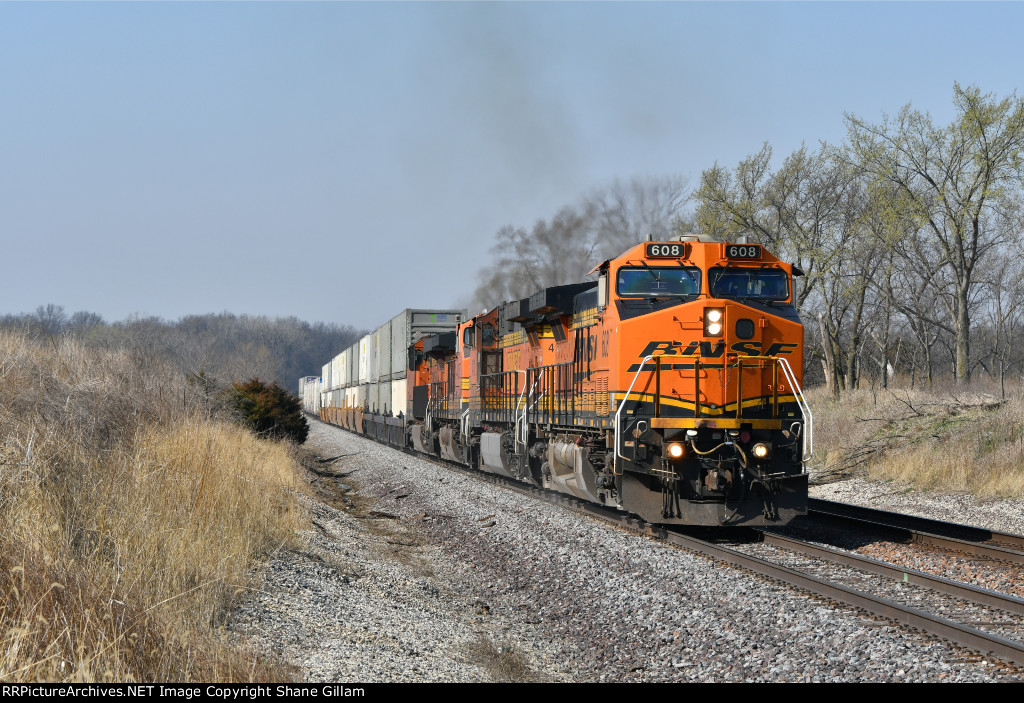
<point x="743" y="251"/>
<point x="670" y="251"/>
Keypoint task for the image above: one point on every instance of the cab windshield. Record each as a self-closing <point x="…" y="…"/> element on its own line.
<point x="760" y="284"/>
<point x="658" y="282"/>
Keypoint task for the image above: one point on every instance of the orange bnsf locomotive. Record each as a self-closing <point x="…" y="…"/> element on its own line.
<point x="670" y="387"/>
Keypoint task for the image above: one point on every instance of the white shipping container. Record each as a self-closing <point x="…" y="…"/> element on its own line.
<point x="411" y="325"/>
<point x="371" y="397"/>
<point x="335" y="371"/>
<point x="383" y="397"/>
<point x="398" y="399"/>
<point x="351" y="366"/>
<point x="366" y="353"/>
<point x="342" y="369"/>
<point x="382" y="339"/>
<point x="326" y="376"/>
<point x="311" y="398"/>
<point x="399" y="345"/>
<point x="371" y="360"/>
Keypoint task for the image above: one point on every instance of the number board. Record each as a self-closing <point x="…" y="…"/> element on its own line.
<point x="668" y="251"/>
<point x="743" y="251"/>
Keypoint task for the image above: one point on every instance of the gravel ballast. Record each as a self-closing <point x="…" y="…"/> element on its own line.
<point x="432" y="575"/>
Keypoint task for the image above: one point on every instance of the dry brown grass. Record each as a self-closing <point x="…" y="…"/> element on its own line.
<point x="947" y="439"/>
<point x="128" y="520"/>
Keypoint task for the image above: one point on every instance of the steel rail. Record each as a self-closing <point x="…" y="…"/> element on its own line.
<point x="969" y="533"/>
<point x="947" y="629"/>
<point x="954" y="632"/>
<point x="966" y="591"/>
<point x="896" y="523"/>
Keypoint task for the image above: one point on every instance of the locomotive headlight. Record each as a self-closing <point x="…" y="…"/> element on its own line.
<point x="675" y="450"/>
<point x="713" y="321"/>
<point x="761" y="450"/>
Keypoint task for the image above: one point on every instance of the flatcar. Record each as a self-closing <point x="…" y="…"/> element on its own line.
<point x="669" y="387"/>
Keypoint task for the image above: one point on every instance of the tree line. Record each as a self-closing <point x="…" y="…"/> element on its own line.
<point x="213" y="349"/>
<point x="909" y="235"/>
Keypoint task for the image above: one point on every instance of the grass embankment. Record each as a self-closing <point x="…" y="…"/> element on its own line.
<point x="129" y="519"/>
<point x="948" y="439"/>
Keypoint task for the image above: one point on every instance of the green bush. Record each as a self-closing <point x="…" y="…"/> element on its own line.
<point x="269" y="410"/>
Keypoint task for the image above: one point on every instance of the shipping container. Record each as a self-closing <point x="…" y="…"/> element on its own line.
<point x="380" y="397"/>
<point x="371" y="398"/>
<point x="367" y="359"/>
<point x="309" y="392"/>
<point x="382" y="341"/>
<point x="352" y="377"/>
<point x="399" y="345"/>
<point x="371" y="360"/>
<point x="398" y="399"/>
<point x="336" y="372"/>
<point x="411" y="325"/>
<point x="344" y="360"/>
<point x="312" y="396"/>
<point x="342" y="370"/>
<point x="381" y="358"/>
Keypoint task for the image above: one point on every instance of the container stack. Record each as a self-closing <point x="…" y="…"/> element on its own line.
<point x="371" y="374"/>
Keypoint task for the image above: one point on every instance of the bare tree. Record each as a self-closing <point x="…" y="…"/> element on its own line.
<point x="563" y="249"/>
<point x="955" y="180"/>
<point x="790" y="210"/>
<point x="50" y="319"/>
<point x="627" y="212"/>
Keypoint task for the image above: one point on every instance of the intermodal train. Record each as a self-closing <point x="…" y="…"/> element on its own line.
<point x="669" y="386"/>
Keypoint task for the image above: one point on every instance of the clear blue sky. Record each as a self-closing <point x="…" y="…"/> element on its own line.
<point x="342" y="161"/>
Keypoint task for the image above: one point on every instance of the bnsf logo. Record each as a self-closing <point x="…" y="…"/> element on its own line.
<point x="715" y="349"/>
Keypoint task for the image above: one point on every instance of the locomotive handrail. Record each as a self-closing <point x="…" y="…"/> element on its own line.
<point x="805" y="408"/>
<point x="526" y="407"/>
<point x="515" y="431"/>
<point x="464" y="425"/>
<point x="622" y="404"/>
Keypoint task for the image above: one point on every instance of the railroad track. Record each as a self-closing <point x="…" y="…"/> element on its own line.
<point x="968" y="602"/>
<point x="964" y="539"/>
<point x="958" y="633"/>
